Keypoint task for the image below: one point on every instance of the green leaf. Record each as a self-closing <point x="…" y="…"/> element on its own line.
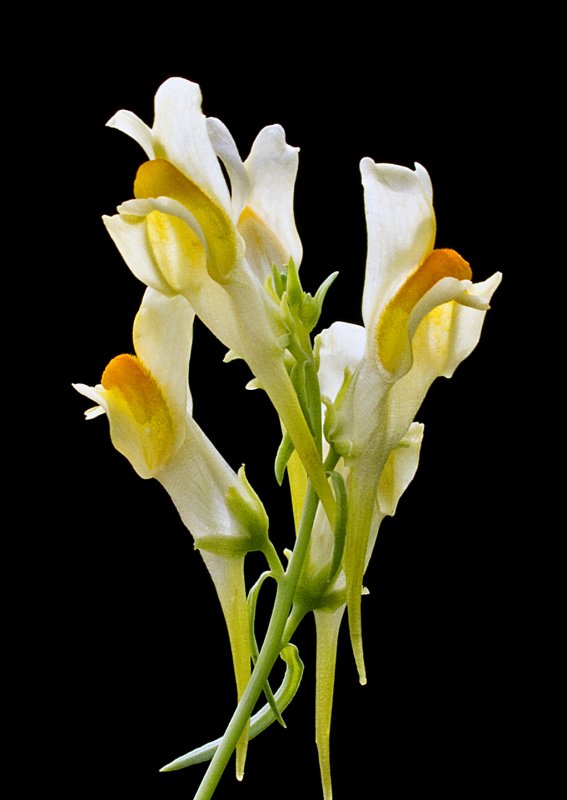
<point x="283" y="455"/>
<point x="254" y="650"/>
<point x="261" y="720"/>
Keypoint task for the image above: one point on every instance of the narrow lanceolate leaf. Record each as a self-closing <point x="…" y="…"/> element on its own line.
<point x="253" y="595"/>
<point x="261" y="720"/>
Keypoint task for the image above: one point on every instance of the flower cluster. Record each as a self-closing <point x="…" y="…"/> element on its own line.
<point x="229" y="253"/>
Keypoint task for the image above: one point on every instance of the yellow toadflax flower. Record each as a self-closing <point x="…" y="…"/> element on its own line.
<point x="146" y="396"/>
<point x="186" y="234"/>
<point x="422" y="316"/>
<point x="148" y="404"/>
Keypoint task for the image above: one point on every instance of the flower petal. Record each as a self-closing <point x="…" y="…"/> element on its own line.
<point x="443" y="276"/>
<point x="423" y="176"/>
<point x="128" y="233"/>
<point x="180" y="135"/>
<point x="197" y="479"/>
<point x="226" y="149"/>
<point x="399" y="470"/>
<point x="132" y="126"/>
<point x="467" y="325"/>
<point x="142" y="426"/>
<point x="161" y="242"/>
<point x="159" y="178"/>
<point x="444" y="338"/>
<point x="163" y="335"/>
<point x="272" y="170"/>
<point x="340" y="347"/>
<point x="146" y="396"/>
<point x="401" y="230"/>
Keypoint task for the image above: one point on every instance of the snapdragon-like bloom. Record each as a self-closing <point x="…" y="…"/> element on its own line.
<point x="422" y="316"/>
<point x="186" y="234"/>
<point x="147" y="401"/>
<point x="146" y="396"/>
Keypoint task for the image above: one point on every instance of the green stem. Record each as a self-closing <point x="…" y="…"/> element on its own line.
<point x="260" y="721"/>
<point x="274" y="562"/>
<point x="268" y="654"/>
<point x="254" y="649"/>
<point x="292" y="624"/>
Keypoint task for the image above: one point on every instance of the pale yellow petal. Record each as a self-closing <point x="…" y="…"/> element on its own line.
<point x="272" y="170"/>
<point x="161" y="179"/>
<point x="128" y="233"/>
<point x="401" y="230"/>
<point x="180" y="135"/>
<point x="340" y="347"/>
<point x="399" y="470"/>
<point x="132" y="126"/>
<point x="163" y="334"/>
<point x="142" y="425"/>
<point x="226" y="149"/>
<point x="442" y="276"/>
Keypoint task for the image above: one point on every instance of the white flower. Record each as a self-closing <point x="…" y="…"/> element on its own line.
<point x="148" y="404"/>
<point x="422" y="316"/>
<point x="186" y="234"/>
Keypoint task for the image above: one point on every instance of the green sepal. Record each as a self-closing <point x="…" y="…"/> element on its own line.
<point x="300" y="311"/>
<point x="293" y="287"/>
<point x="335" y="414"/>
<point x="225" y="546"/>
<point x="283" y="455"/>
<point x="302" y="306"/>
<point x="313" y="306"/>
<point x="318" y="591"/>
<point x="275" y="283"/>
<point x="261" y="720"/>
<point x="339" y="530"/>
<point x="248" y="510"/>
<point x="283" y="341"/>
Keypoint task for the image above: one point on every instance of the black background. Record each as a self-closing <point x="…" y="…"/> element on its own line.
<point x="129" y="660"/>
